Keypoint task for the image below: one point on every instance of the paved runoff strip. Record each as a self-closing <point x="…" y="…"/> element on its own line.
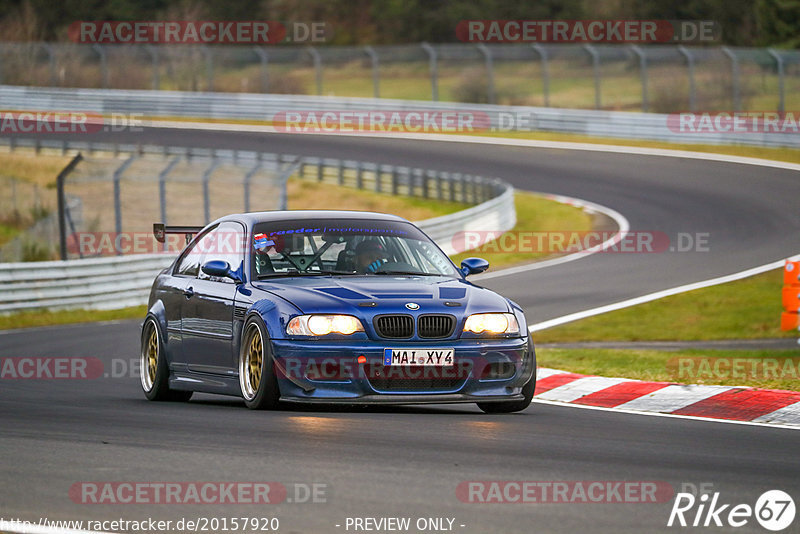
<point x="719" y="403"/>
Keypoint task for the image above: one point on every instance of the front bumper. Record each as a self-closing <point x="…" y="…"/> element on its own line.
<point x="328" y="372"/>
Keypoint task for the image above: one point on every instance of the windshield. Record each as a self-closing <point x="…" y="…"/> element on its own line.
<point x="345" y="247"/>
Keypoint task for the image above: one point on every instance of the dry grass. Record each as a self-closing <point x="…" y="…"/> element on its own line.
<point x="305" y="194"/>
<point x="41" y="169"/>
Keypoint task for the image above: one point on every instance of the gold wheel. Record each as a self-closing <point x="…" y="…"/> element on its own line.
<point x="150" y="355"/>
<point x="251" y="362"/>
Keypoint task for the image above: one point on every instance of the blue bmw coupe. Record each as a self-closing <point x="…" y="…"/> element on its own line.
<point x="330" y="307"/>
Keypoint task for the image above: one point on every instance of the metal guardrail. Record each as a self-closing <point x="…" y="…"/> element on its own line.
<point x="97" y="283"/>
<point x="648" y="77"/>
<point x="262" y="107"/>
<point x="115" y="282"/>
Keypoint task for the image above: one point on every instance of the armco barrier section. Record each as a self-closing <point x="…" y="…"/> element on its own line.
<point x="117" y="282"/>
<point x="97" y="283"/>
<point x="266" y="107"/>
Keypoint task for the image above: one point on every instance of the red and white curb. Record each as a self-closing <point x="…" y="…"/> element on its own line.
<point x="720" y="403"/>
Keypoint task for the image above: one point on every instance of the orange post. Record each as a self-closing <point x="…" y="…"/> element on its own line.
<point x="791" y="273"/>
<point x="790" y="319"/>
<point x="791" y="299"/>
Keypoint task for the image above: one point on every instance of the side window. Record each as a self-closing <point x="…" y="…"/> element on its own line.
<point x="189" y="264"/>
<point x="227" y="243"/>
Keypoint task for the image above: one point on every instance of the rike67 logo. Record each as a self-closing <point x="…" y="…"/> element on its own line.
<point x="774" y="510"/>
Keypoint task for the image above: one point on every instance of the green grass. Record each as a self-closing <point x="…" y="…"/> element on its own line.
<point x="534" y="214"/>
<point x="684" y="366"/>
<point x="7" y="232"/>
<point x="48" y="318"/>
<point x="745" y="309"/>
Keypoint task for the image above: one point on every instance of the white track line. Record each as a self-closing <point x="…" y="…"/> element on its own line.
<point x="623" y="227"/>
<point x="657" y="295"/>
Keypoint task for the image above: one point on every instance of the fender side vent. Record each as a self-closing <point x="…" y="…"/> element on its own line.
<point x="239" y="313"/>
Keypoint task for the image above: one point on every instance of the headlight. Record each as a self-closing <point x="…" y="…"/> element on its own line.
<point x="321" y="325"/>
<point x="492" y="323"/>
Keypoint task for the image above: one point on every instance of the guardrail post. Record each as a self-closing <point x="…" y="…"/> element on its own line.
<point x="737" y="99"/>
<point x="162" y="189"/>
<point x="320" y="170"/>
<point x="434" y="68"/>
<point x="439" y="179"/>
<point x="52" y="63"/>
<point x="643" y="74"/>
<point x="781" y="74"/>
<point x="690" y="68"/>
<point x="452" y="185"/>
<point x="378" y="169"/>
<point x="209" y="53"/>
<point x="375" y="70"/>
<point x="340" y="176"/>
<point x="545" y="72"/>
<point x="596" y="70"/>
<point x="317" y="67"/>
<point x="153" y="51"/>
<point x="263" y="59"/>
<point x="359" y="175"/>
<point x="487" y="55"/>
<point x="394" y="180"/>
<point x="206" y="196"/>
<point x="117" y="195"/>
<point x="62" y="204"/>
<point x="247" y="179"/>
<point x="283" y="179"/>
<point x="103" y="63"/>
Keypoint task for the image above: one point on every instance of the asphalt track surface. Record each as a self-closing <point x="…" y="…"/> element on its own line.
<point x="408" y="461"/>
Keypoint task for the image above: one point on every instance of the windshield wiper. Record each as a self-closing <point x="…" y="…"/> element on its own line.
<point x="302" y="273"/>
<point x="407" y="273"/>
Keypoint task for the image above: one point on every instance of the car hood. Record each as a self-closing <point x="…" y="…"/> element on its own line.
<point x="388" y="294"/>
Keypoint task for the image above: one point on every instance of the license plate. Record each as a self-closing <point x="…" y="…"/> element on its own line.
<point x="425" y="357"/>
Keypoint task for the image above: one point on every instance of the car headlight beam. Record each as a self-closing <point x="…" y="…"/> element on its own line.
<point x="322" y="325"/>
<point x="492" y="323"/>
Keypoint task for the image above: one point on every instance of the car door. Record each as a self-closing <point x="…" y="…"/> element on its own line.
<point x="207" y="311"/>
<point x="178" y="290"/>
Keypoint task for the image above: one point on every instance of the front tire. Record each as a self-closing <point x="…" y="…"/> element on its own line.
<point x="154" y="370"/>
<point x="257" y="380"/>
<point x="527" y="392"/>
<point x="511" y="406"/>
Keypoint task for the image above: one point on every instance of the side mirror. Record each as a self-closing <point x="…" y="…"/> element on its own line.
<point x="220" y="268"/>
<point x="473" y="266"/>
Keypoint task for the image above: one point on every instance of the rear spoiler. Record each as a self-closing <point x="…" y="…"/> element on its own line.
<point x="160" y="231"/>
